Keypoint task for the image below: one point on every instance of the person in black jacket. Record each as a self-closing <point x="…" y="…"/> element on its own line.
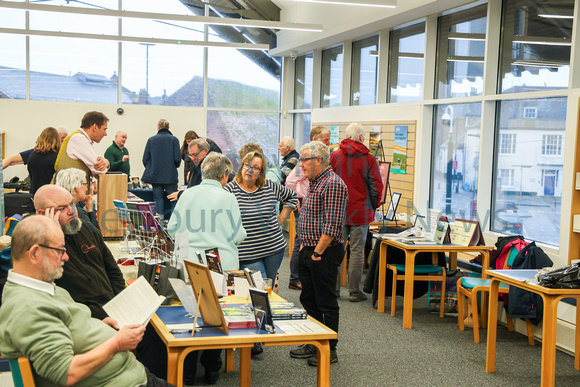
<point x="161" y="159"/>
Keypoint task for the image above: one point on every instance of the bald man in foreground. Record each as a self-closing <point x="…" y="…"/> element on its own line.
<point x="40" y="321"/>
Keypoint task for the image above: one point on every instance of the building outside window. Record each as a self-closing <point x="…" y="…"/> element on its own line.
<point x="530" y="113"/>
<point x="455" y="159"/>
<point x="302" y="127"/>
<point x="507" y="143"/>
<point x="407" y="49"/>
<point x="363" y="90"/>
<point x="461" y="53"/>
<point x="551" y="144"/>
<point x="535" y="45"/>
<point x="533" y="195"/>
<point x="331" y="87"/>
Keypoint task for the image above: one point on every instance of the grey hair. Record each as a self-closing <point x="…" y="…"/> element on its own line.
<point x="200" y="142"/>
<point x="289" y="142"/>
<point x="317" y="149"/>
<point x="163" y="124"/>
<point x="61" y="129"/>
<point x="70" y="179"/>
<point x="215" y="166"/>
<point x="354" y="131"/>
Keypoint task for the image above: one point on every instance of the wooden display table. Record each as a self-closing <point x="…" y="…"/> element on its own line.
<point x="180" y="344"/>
<point x="551" y="297"/>
<point x="411" y="252"/>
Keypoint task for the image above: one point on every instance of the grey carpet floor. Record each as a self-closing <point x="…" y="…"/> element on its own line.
<point x="375" y="350"/>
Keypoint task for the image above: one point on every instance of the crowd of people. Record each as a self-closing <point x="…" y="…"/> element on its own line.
<point x="72" y="273"/>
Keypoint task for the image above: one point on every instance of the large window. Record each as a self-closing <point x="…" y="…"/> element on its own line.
<point x="460" y="54"/>
<point x="536" y="45"/>
<point x="12" y="66"/>
<point x="231" y="130"/>
<point x="365" y="55"/>
<point x="302" y="127"/>
<point x="530" y="194"/>
<point x="407" y="47"/>
<point x="331" y="90"/>
<point x="74" y="70"/>
<point x="303" y="68"/>
<point x="455" y="160"/>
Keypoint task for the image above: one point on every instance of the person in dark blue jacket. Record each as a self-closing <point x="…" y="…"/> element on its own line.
<point x="161" y="159"/>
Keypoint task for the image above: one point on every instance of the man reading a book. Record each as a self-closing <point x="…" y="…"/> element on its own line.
<point x="40" y="321"/>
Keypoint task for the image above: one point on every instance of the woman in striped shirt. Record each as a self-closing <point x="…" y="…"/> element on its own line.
<point x="263" y="248"/>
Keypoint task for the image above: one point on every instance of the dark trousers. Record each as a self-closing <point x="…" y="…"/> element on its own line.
<point x="318" y="280"/>
<point x="162" y="205"/>
<point x="154" y="381"/>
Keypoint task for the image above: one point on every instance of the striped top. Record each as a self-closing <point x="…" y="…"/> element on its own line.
<point x="258" y="210"/>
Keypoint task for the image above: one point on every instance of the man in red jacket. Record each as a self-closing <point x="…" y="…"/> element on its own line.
<point x="360" y="172"/>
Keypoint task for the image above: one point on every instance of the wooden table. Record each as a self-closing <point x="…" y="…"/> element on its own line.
<point x="551" y="297"/>
<point x="411" y="251"/>
<point x="180" y="344"/>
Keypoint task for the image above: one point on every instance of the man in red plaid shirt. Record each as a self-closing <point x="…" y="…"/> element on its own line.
<point x="321" y="243"/>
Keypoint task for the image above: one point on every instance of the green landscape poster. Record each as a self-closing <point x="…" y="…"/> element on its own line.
<point x="400" y="150"/>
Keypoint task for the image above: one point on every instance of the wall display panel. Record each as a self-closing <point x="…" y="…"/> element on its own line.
<point x="331" y="88"/>
<point x="402" y="183"/>
<point x="303" y="68"/>
<point x="455" y="161"/>
<point x="230" y="130"/>
<point x="460" y="53"/>
<point x="528" y="171"/>
<point x="536" y="45"/>
<point x="12" y="66"/>
<point x="407" y="49"/>
<point x="163" y="74"/>
<point x="364" y="71"/>
<point x="302" y="129"/>
<point x="74" y="70"/>
<point x="235" y="81"/>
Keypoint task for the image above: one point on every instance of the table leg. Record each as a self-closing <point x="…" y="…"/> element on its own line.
<point x="323" y="369"/>
<point x="492" y="326"/>
<point x="245" y="366"/>
<point x="172" y="355"/>
<point x="409" y="284"/>
<point x="577" y="350"/>
<point x="452" y="260"/>
<point x="382" y="278"/>
<point x="549" y="340"/>
<point x="229" y="359"/>
<point x="484" y="295"/>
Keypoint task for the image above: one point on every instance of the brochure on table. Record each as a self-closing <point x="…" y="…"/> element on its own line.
<point x="442" y="231"/>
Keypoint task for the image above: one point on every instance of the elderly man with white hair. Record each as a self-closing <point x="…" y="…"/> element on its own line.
<point x="321" y="243"/>
<point x="287" y="148"/>
<point x="360" y="172"/>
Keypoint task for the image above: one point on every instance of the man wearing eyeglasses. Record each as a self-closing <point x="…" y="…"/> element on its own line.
<point x="92" y="275"/>
<point x="198" y="149"/>
<point x="40" y="321"/>
<point x="321" y="243"/>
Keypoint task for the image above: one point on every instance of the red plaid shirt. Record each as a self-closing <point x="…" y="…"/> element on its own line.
<point x="323" y="209"/>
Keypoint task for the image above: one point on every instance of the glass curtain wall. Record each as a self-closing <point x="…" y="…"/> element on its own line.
<point x="331" y="88"/>
<point x="455" y="159"/>
<point x="460" y="53"/>
<point x="303" y="70"/>
<point x="407" y="48"/>
<point x="536" y="45"/>
<point x="365" y="57"/>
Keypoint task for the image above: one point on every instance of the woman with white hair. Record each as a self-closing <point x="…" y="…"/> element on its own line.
<point x="75" y="181"/>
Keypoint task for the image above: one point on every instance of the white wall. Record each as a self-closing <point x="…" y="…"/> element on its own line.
<point x="22" y="121"/>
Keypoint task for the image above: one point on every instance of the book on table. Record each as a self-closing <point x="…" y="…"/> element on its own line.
<point x="240" y="316"/>
<point x="212" y="257"/>
<point x="443" y="231"/>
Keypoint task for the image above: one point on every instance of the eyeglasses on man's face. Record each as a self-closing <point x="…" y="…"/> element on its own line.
<point x="62" y="251"/>
<point x="304" y="159"/>
<point x="252" y="168"/>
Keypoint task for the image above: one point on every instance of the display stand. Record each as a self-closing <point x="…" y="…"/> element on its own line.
<point x="109" y="188"/>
